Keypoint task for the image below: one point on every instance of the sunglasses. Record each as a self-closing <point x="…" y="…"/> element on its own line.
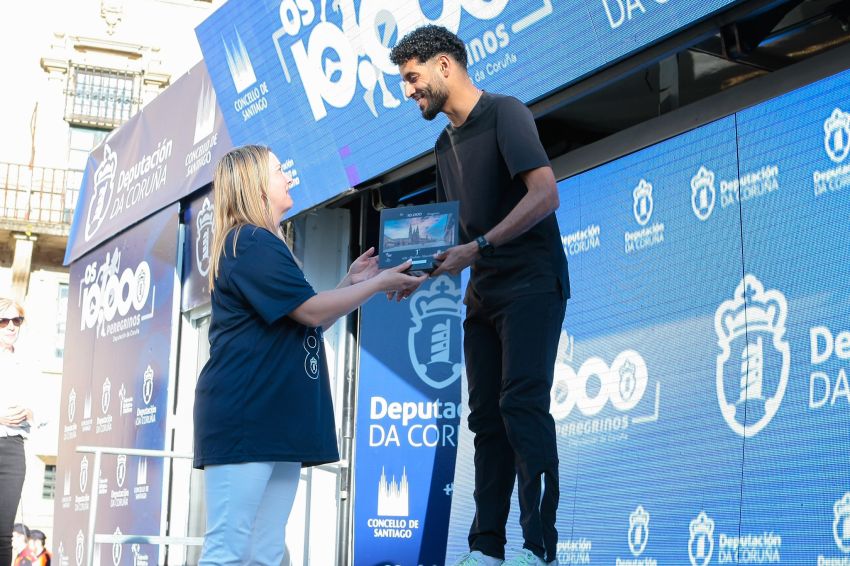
<point x="17" y="321"/>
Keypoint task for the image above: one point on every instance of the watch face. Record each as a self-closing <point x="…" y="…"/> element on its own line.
<point x="485" y="247"/>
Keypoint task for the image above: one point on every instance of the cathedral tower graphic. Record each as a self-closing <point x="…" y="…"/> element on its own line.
<point x="393" y="498"/>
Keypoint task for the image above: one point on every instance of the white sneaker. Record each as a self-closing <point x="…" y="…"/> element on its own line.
<point x="477" y="558"/>
<point x="527" y="558"/>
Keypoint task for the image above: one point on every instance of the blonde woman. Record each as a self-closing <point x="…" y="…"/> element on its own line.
<point x="262" y="402"/>
<point x="15" y="422"/>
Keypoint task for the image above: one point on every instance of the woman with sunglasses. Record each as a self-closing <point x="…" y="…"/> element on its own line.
<point x="15" y="419"/>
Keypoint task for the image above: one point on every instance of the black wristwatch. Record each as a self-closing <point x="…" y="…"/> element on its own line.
<point x="485" y="247"/>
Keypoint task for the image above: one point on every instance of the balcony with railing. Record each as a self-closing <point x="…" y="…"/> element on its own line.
<point x="101" y="98"/>
<point x="38" y="200"/>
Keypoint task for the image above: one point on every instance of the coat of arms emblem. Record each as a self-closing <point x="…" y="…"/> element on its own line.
<point x="755" y="358"/>
<point x="434" y="341"/>
<point x="643" y="205"/>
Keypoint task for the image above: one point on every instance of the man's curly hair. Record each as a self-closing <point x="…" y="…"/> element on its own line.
<point x="426" y="42"/>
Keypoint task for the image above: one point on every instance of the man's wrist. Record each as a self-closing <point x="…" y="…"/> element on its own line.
<point x="485" y="248"/>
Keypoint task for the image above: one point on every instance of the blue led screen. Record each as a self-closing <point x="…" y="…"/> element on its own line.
<point x="795" y="208"/>
<point x="313" y="80"/>
<point x="701" y="397"/>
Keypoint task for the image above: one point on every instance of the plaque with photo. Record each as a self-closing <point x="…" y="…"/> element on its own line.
<point x="417" y="233"/>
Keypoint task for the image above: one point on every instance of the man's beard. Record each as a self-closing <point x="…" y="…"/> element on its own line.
<point x="436" y="98"/>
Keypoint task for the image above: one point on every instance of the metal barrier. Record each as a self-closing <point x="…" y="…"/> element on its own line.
<point x="91" y="537"/>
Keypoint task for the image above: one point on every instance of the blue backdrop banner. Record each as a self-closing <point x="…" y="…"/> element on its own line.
<point x="408" y="414"/>
<point x="121" y="319"/>
<point x="314" y="81"/>
<point x="701" y="396"/>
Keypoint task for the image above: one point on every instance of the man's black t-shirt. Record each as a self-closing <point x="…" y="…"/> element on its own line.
<point x="478" y="164"/>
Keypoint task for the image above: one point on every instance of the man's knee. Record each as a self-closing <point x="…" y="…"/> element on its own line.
<point x="527" y="395"/>
<point x="486" y="421"/>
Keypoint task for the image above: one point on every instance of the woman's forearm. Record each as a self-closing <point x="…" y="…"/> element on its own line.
<point x="326" y="307"/>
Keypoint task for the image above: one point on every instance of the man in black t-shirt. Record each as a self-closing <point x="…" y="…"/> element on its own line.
<point x="490" y="159"/>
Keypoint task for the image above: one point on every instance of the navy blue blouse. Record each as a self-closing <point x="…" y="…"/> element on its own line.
<point x="264" y="394"/>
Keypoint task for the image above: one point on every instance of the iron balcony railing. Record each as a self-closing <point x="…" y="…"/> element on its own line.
<point x="102" y="98"/>
<point x="40" y="197"/>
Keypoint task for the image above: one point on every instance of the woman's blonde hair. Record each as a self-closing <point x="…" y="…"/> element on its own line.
<point x="6" y="303"/>
<point x="240" y="187"/>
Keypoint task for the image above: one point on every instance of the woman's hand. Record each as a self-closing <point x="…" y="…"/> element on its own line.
<point x="363" y="268"/>
<point x="398" y="284"/>
<point x="16" y="415"/>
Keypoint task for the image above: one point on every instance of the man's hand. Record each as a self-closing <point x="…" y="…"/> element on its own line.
<point x="455" y="259"/>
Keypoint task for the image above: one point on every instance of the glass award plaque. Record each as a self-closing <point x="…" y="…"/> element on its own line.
<point x="417" y="233"/>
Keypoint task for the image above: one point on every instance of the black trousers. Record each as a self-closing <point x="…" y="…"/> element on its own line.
<point x="510" y="349"/>
<point x="13" y="467"/>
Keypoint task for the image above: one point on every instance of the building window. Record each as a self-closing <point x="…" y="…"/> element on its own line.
<point x="48" y="489"/>
<point x="61" y="317"/>
<point x="80" y="144"/>
<point x="102" y="98"/>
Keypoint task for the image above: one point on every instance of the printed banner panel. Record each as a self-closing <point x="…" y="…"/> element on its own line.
<point x="408" y="412"/>
<point x="701" y="393"/>
<point x="198" y="218"/>
<point x="115" y="389"/>
<point x="160" y="155"/>
<point x="313" y="79"/>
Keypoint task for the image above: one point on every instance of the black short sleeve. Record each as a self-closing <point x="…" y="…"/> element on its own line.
<point x="440" y="188"/>
<point x="516" y="134"/>
<point x="266" y="275"/>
